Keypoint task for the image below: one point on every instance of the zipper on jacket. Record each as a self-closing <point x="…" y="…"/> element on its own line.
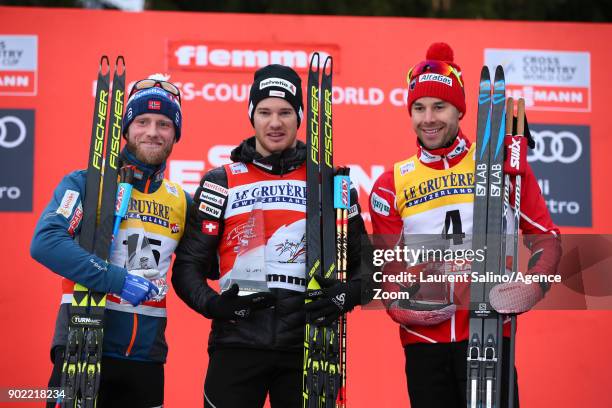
<point x="446" y="165"/>
<point x="282" y="167"/>
<point x="133" y="339"/>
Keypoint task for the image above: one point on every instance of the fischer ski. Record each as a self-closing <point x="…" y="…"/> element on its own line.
<point x="323" y="360"/>
<point x="80" y="377"/>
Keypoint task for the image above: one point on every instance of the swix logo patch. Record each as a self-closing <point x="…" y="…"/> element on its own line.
<point x="210" y="227"/>
<point x="345" y="193"/>
<point x="68" y="201"/>
<point x="515" y="153"/>
<point x="119" y="199"/>
<point x="380" y="205"/>
<point x="216" y="188"/>
<point x="238" y="168"/>
<point x="407" y="168"/>
<point x="76" y="219"/>
<point x="175" y="228"/>
<point x="210" y="210"/>
<point x="154" y="105"/>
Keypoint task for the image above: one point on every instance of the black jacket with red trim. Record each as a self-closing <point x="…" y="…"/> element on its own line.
<point x="277" y="328"/>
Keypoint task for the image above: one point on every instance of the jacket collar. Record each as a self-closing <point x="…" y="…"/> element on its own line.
<point x="276" y="163"/>
<point x="147" y="178"/>
<point x="444" y="157"/>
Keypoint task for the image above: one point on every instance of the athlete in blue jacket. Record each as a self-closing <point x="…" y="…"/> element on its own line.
<point x="134" y="348"/>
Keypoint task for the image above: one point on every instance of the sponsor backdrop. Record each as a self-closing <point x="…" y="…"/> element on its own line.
<point x="48" y="62"/>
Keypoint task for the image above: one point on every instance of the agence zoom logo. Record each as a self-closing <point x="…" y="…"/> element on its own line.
<point x="564" y="146"/>
<point x="12" y="132"/>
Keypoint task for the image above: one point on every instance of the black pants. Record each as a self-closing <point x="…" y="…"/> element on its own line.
<point x="243" y="377"/>
<point x="437" y="375"/>
<point x="123" y="383"/>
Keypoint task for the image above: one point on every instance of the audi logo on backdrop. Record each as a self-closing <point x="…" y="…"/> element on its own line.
<point x="16" y="159"/>
<point x="563" y="147"/>
<point x="561" y="162"/>
<point x="12" y="132"/>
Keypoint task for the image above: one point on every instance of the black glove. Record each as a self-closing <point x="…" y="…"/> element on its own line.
<point x="229" y="306"/>
<point x="331" y="301"/>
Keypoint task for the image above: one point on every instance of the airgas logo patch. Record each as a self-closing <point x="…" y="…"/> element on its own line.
<point x="436" y="78"/>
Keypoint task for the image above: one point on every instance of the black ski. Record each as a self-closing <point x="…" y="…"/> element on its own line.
<point x="479" y="232"/>
<point x="312" y="382"/>
<point x="82" y="364"/>
<point x="485" y="339"/>
<point x="331" y="355"/>
<point x="321" y="376"/>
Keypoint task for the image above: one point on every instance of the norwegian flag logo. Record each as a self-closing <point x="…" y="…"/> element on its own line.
<point x="154" y="105"/>
<point x="210" y="227"/>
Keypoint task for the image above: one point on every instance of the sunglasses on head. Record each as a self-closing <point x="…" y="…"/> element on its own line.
<point x="151" y="83"/>
<point x="435" y="67"/>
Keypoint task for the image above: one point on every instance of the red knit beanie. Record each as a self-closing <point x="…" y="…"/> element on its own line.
<point x="437" y="77"/>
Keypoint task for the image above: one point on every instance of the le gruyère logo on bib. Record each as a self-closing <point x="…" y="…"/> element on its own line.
<point x="284" y="192"/>
<point x="437" y="187"/>
<point x="150" y="211"/>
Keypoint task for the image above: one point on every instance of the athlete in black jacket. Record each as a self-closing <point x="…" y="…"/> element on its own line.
<point x="256" y="342"/>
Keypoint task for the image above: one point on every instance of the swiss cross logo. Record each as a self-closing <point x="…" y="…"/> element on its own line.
<point x="210" y="227"/>
<point x="154" y="105"/>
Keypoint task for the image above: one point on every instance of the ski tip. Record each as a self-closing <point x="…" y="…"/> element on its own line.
<point x="120" y="65"/>
<point x="499" y="73"/>
<point x="328" y="66"/>
<point x="104" y="64"/>
<point x="317" y="57"/>
<point x="484" y="73"/>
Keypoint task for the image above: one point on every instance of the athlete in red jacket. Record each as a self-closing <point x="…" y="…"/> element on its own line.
<point x="432" y="193"/>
